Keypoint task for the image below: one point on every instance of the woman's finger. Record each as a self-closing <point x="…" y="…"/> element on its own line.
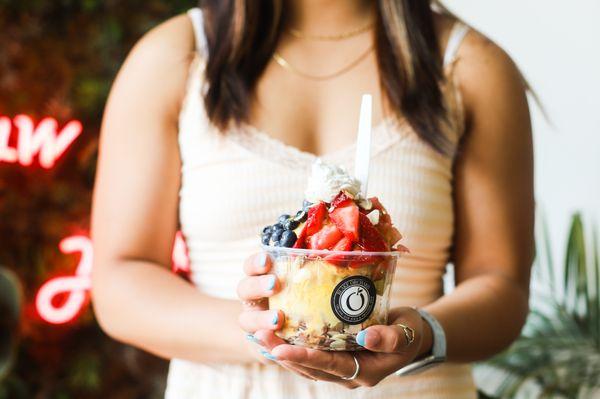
<point x="311" y="374"/>
<point x="257" y="287"/>
<point x="340" y="364"/>
<point x="255" y="304"/>
<point x="317" y="375"/>
<point x="257" y="264"/>
<point x="287" y="366"/>
<point x="252" y="321"/>
<point x="400" y="337"/>
<point x="267" y="339"/>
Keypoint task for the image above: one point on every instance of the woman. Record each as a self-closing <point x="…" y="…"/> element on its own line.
<point x="185" y="140"/>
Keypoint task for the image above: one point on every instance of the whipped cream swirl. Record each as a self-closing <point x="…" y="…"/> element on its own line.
<point x="326" y="181"/>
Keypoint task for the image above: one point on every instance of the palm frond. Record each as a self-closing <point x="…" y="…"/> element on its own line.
<point x="544" y="259"/>
<point x="575" y="276"/>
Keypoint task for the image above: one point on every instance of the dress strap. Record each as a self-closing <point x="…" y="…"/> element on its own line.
<point x="195" y="15"/>
<point x="457" y="34"/>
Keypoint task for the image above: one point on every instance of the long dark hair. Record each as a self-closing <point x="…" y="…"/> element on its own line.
<point x="242" y="36"/>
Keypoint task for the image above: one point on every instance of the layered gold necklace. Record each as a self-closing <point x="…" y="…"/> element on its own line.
<point x="285" y="64"/>
<point x="331" y="38"/>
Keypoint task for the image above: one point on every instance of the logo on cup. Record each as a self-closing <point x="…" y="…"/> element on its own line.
<point x="353" y="299"/>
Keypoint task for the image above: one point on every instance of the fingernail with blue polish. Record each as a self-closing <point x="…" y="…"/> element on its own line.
<point x="360" y="337"/>
<point x="268" y="355"/>
<point x="276" y="318"/>
<point x="262" y="259"/>
<point x="252" y="338"/>
<point x="271" y="284"/>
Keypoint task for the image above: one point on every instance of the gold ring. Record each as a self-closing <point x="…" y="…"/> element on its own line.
<point x="409" y="333"/>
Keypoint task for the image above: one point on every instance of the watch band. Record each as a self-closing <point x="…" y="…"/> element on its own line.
<point x="439" y="336"/>
<point x="438" y="351"/>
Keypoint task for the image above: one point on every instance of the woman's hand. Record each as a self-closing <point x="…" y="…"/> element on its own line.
<point x="389" y="348"/>
<point x="257" y="319"/>
<point x="254" y="291"/>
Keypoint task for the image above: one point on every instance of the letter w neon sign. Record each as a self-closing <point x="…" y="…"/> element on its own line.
<point x="44" y="140"/>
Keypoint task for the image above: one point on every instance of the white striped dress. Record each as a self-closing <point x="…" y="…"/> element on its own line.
<point x="254" y="178"/>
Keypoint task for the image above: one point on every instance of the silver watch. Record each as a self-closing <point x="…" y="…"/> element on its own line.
<point x="438" y="351"/>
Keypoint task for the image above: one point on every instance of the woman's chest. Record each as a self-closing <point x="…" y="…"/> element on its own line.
<point x="237" y="186"/>
<point x="316" y="116"/>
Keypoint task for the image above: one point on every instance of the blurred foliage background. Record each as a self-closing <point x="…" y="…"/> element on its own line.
<point x="58" y="58"/>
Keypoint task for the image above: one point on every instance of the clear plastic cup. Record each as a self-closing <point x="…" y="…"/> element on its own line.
<point x="329" y="296"/>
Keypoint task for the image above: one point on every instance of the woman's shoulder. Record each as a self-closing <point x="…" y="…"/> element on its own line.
<point x="161" y="60"/>
<point x="170" y="43"/>
<point x="172" y="40"/>
<point x="478" y="53"/>
<point x="484" y="70"/>
<point x="476" y="49"/>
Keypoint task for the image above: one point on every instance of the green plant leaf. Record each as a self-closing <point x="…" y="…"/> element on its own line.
<point x="544" y="259"/>
<point x="575" y="275"/>
<point x="595" y="305"/>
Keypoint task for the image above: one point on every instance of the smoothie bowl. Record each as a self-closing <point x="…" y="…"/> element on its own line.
<point x="335" y="261"/>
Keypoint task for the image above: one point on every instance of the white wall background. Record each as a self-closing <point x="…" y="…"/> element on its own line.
<point x="556" y="43"/>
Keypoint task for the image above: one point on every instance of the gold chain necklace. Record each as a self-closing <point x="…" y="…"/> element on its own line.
<point x="282" y="62"/>
<point x="341" y="36"/>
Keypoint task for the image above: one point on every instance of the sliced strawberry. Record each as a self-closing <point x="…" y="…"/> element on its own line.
<point x="402" y="248"/>
<point x="346" y="220"/>
<point x="325" y="238"/>
<point x="316" y="215"/>
<point x="384" y="216"/>
<point x="390" y="234"/>
<point x="342" y="199"/>
<point x="370" y="239"/>
<point x="358" y="261"/>
<point x="345" y="244"/>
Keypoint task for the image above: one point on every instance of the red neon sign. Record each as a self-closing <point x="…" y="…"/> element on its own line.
<point x="43" y="140"/>
<point x="77" y="287"/>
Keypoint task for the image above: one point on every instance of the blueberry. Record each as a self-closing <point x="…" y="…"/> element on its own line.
<point x="265" y="238"/>
<point x="306" y="204"/>
<point x="291" y="224"/>
<point x="283" y="218"/>
<point x="301" y="216"/>
<point x="288" y="239"/>
<point x="276" y="235"/>
<point x="267" y="230"/>
<point x="277" y="226"/>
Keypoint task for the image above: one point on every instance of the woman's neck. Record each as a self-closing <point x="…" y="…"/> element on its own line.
<point x="329" y="16"/>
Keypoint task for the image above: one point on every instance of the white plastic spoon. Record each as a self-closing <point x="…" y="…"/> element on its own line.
<point x="363" y="144"/>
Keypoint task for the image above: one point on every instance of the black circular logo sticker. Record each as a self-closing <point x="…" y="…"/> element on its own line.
<point x="353" y="299"/>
